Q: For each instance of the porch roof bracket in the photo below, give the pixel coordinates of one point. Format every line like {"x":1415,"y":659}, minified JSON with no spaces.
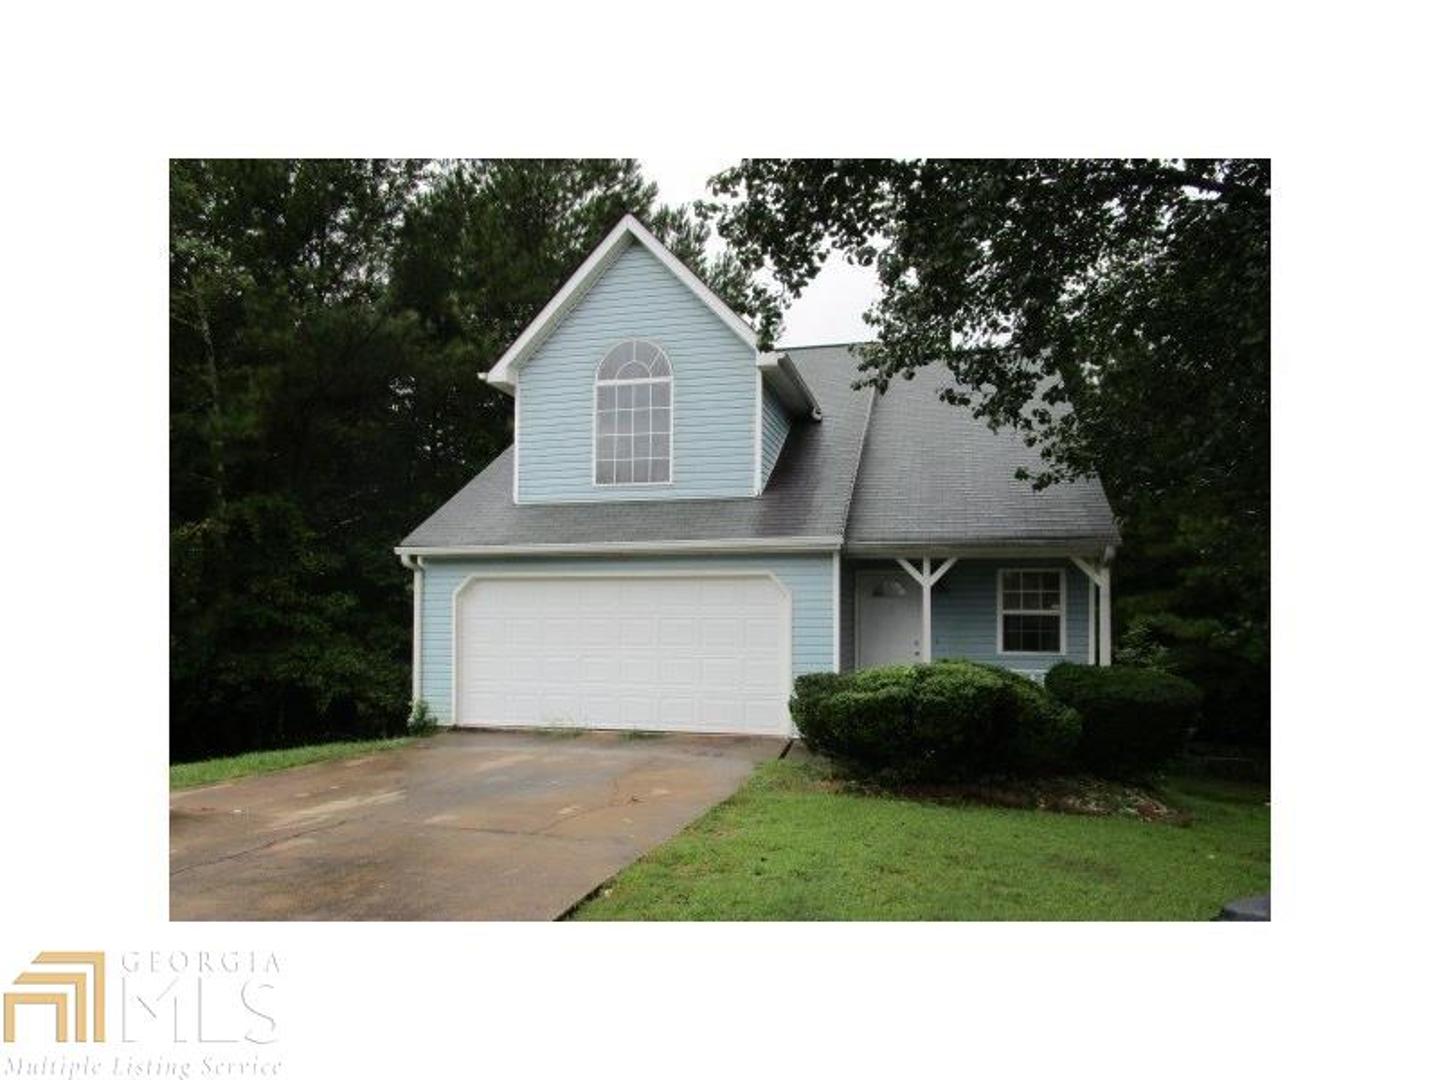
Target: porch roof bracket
{"x":909,"y":568}
{"x":926,"y":579}
{"x":1089,"y":568}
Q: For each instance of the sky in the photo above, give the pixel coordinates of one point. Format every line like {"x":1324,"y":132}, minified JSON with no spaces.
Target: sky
{"x":829,"y":309}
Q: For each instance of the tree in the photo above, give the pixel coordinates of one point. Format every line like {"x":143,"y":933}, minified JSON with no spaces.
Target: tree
{"x":1114,"y":311}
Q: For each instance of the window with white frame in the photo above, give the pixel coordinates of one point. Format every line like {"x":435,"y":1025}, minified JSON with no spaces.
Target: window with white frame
{"x":633,"y":415}
{"x":1032,"y":611}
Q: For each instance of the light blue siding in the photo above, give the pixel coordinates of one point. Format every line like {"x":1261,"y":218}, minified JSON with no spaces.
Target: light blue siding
{"x":963,"y":614}
{"x":714,"y":391}
{"x":809,"y":578}
{"x":774,"y":426}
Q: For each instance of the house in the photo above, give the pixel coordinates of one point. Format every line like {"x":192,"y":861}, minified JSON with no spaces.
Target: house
{"x":684,"y":523}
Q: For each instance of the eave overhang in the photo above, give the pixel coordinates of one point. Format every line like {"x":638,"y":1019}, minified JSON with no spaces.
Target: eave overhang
{"x":629,"y":231}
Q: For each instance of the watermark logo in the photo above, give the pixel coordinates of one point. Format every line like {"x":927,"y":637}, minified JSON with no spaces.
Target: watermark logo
{"x":76,"y":997}
{"x":173,"y":1013}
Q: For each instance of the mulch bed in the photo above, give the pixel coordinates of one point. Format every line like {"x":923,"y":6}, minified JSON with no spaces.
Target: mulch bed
{"x":1087,"y":795}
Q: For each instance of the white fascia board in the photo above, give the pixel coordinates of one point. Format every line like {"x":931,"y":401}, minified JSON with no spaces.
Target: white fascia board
{"x":781,"y":375}
{"x":994,"y":550}
{"x":738,"y":545}
{"x":628,"y":231}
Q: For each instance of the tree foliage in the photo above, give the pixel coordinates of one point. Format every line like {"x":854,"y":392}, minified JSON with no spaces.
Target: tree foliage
{"x":328,"y":320}
{"x":1114,"y":311}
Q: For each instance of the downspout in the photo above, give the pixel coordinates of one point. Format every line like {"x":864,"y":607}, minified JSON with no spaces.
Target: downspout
{"x":416,"y":564}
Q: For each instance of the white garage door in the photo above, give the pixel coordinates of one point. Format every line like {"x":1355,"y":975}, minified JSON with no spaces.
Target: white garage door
{"x":706,"y":654}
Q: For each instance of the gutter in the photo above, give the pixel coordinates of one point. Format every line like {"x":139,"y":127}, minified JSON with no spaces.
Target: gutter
{"x":1056,"y":545}
{"x":737,"y":545}
{"x":416,"y":565}
{"x":785,"y":379}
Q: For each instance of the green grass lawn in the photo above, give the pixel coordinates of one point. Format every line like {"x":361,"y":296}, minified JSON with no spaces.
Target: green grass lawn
{"x":195,"y":773}
{"x":789,"y":846}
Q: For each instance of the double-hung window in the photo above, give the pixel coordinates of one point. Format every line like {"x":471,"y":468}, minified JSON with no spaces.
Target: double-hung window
{"x":1032,"y":611}
{"x":633,"y":415}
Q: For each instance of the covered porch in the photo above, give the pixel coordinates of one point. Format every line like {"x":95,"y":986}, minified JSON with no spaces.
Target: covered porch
{"x":1023,"y":608}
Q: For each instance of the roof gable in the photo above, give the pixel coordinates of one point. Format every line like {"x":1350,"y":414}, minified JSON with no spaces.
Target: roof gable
{"x":627,"y":232}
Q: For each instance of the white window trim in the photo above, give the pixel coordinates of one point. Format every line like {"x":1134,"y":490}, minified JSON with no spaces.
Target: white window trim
{"x":595,"y":415}
{"x":1001,"y":612}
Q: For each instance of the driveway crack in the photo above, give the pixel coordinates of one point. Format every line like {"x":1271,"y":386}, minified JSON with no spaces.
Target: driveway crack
{"x":258,"y":847}
{"x":614,"y":801}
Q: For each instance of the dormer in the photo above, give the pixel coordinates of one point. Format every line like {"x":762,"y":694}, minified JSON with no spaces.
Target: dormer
{"x":636,"y":381}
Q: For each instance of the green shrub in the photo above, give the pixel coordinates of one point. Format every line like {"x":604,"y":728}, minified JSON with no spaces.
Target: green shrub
{"x":1132,"y":719}
{"x":939,"y":721}
{"x":810,"y":690}
{"x":864,"y":725}
{"x":1049,"y":732}
{"x":422,"y":720}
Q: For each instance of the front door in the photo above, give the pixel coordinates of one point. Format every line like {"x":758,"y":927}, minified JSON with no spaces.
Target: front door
{"x":887,"y":618}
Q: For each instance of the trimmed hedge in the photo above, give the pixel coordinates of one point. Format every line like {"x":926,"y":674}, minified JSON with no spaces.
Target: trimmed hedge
{"x":1133,"y":719}
{"x":946,"y":720}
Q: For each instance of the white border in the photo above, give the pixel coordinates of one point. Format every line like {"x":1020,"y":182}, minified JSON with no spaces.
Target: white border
{"x":797,"y":544}
{"x":787,"y":682}
{"x":1000,"y":650}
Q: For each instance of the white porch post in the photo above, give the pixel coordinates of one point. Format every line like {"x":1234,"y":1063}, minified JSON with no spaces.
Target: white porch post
{"x":414,"y":563}
{"x":1099,"y":574}
{"x":1104,"y":616}
{"x":926,"y":580}
{"x":925,"y":611}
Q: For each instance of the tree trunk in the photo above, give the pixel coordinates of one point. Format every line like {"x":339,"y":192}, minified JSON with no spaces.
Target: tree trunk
{"x":212,"y":379}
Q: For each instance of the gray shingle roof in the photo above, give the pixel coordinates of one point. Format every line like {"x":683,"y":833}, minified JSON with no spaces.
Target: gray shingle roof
{"x":933,"y":474}
{"x":928,"y":474}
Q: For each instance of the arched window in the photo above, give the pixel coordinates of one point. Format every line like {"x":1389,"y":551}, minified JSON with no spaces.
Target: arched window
{"x":633,"y":423}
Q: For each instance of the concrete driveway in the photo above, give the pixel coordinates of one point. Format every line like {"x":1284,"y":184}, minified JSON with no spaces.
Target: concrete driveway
{"x":464,"y":825}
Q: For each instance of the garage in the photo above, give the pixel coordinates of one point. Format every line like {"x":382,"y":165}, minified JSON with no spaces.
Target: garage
{"x":684,"y":652}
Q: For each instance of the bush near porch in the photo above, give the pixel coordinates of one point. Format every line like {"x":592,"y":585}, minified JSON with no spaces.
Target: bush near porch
{"x":1132,"y":719}
{"x":947,"y":720}
{"x":957,"y":720}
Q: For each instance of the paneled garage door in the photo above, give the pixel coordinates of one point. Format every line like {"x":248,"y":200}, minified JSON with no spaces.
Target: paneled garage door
{"x":693,"y":653}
